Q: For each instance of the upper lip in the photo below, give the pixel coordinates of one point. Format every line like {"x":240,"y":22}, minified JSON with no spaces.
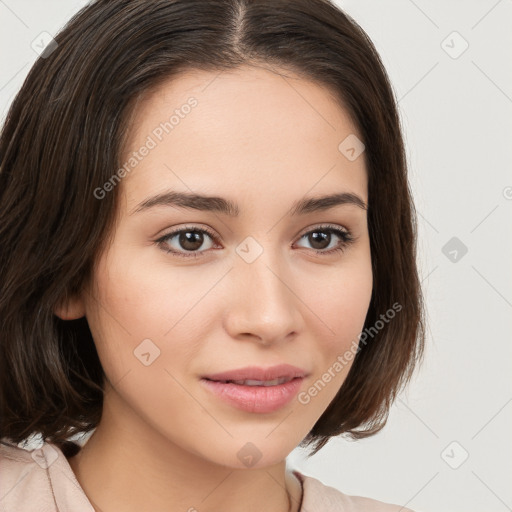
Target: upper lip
{"x":258,"y":373}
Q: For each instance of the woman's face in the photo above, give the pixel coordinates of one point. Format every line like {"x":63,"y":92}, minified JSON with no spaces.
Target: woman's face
{"x":167,"y":309}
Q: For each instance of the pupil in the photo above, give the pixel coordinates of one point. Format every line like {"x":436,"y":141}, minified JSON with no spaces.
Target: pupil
{"x":322,"y":237}
{"x":191,"y":240}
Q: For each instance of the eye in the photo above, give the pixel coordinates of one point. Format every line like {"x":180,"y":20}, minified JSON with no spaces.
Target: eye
{"x":187,"y":241}
{"x":322,"y":236}
{"x":190,"y":239}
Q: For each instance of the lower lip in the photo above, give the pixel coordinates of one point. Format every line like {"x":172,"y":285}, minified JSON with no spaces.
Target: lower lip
{"x":260,"y":399}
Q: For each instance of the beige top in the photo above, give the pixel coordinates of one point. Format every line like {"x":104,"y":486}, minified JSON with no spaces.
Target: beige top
{"x":42,"y":480}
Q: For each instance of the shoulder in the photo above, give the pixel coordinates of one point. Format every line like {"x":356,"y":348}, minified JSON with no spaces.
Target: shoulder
{"x":318,"y":497}
{"x":23,"y":483}
{"x":39,"y":480}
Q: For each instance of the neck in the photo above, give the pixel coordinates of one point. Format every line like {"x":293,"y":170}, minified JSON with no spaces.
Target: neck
{"x":124,"y":470}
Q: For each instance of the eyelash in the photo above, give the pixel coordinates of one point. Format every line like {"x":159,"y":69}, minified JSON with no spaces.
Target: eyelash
{"x":345,"y":235}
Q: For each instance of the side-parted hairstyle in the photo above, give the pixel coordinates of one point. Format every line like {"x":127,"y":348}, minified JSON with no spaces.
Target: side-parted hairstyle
{"x":63,"y":139}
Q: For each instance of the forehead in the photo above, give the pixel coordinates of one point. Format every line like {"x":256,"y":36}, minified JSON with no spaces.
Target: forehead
{"x":248,"y":129}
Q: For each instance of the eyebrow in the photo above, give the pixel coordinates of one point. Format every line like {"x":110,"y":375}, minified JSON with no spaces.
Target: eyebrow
{"x":227,"y":207}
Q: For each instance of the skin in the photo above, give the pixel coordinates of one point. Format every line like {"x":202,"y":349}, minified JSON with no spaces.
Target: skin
{"x":164,"y":442}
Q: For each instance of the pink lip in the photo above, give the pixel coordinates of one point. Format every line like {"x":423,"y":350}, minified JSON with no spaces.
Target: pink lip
{"x":260,"y":399}
{"x":258,"y":373}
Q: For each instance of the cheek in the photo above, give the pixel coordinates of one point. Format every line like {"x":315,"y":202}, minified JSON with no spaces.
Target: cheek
{"x":136,"y":301}
{"x":341,"y":305}
{"x":144,"y":298}
{"x":341,"y":299}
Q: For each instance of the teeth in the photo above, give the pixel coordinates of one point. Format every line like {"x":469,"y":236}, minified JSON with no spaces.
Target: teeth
{"x":249,"y":382}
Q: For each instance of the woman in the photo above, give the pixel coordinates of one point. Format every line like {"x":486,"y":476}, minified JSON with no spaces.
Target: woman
{"x":208,"y":257}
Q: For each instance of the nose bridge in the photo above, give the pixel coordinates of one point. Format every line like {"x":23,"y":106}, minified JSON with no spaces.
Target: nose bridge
{"x":264,"y":304}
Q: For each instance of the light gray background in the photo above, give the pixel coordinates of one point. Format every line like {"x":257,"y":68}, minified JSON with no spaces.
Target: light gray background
{"x":456,"y":110}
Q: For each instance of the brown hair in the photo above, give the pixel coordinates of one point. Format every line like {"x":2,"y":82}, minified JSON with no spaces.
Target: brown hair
{"x":62,"y":139}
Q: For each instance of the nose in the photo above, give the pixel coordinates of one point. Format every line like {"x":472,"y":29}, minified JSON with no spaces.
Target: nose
{"x":263,"y":304}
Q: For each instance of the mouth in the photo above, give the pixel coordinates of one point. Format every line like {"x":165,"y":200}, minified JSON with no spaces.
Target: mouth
{"x":253,"y":382}
{"x":258,"y":376}
{"x":255,"y":396}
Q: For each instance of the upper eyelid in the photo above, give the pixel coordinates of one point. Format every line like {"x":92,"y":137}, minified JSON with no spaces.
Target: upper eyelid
{"x":326,"y":227}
